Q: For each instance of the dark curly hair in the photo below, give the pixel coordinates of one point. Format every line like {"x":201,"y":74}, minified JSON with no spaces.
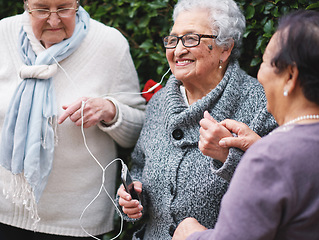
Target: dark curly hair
{"x":299,"y":39}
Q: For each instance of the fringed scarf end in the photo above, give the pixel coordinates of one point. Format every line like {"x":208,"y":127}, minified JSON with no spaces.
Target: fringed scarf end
{"x":17,"y":189}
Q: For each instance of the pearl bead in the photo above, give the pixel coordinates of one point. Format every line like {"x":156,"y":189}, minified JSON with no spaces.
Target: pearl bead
{"x":305,"y":117}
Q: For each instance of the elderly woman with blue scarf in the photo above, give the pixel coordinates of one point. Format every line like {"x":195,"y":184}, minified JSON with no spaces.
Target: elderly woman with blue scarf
{"x":60,"y":70}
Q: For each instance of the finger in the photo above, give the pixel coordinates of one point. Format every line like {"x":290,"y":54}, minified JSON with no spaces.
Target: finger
{"x":132,"y":204}
{"x":233,"y":125}
{"x":133,"y":212}
{"x":207,"y":146}
{"x":207,"y":124}
{"x":138,"y":186}
{"x":69,"y":111}
{"x":123,"y":194}
{"x":135,"y":216}
{"x":230,"y":142}
{"x":63,"y":117}
{"x":83,"y":120}
{"x":209,"y":117}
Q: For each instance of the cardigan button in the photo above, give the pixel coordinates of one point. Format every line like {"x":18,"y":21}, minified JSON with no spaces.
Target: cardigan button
{"x":172,"y":229}
{"x":178,"y":134}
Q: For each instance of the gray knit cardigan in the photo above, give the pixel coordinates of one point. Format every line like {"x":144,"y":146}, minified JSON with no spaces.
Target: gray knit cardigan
{"x":178,"y":180}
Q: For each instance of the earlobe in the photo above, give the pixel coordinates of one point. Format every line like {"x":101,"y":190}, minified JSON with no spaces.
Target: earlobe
{"x":227,"y":52}
{"x":292,"y":80}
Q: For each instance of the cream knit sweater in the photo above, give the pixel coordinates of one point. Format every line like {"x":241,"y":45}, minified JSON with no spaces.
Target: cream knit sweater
{"x":102,"y":65}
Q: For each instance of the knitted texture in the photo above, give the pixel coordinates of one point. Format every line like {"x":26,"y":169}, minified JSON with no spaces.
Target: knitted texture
{"x":274,"y":193}
{"x":178,"y":180}
{"x":100,"y":67}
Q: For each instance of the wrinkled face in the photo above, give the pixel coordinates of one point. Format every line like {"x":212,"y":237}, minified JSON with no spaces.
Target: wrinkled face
{"x":54,"y":29}
{"x":272,"y":82}
{"x":194,"y":63}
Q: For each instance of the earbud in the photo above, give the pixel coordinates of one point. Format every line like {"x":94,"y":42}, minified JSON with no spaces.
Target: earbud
{"x":210,"y":47}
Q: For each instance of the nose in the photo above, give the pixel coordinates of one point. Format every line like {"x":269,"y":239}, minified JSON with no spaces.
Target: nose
{"x":54,"y":19}
{"x":180,"y":49}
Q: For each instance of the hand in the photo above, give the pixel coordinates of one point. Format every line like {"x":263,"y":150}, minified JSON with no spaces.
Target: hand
{"x":94,"y":111}
{"x":187,"y":227}
{"x":246,"y":136}
{"x":131,"y":207}
{"x":211,"y":132}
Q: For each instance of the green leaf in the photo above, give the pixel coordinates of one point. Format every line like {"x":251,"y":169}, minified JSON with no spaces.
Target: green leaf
{"x":257,"y":2}
{"x":144,"y":22}
{"x":255,"y":61}
{"x":294,"y":5}
{"x":250,"y":11}
{"x":269,"y":26}
{"x":313,"y":6}
{"x":147,"y":45}
{"x":275,"y":12}
{"x":246,"y":34}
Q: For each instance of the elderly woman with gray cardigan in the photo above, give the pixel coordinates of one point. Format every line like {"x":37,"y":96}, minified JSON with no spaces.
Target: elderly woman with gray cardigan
{"x":175,"y":179}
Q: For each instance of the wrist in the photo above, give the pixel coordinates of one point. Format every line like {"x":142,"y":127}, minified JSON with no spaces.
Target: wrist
{"x":112,"y":111}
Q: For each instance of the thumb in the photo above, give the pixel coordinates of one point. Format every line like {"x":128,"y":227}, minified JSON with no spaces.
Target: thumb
{"x":227,"y":142}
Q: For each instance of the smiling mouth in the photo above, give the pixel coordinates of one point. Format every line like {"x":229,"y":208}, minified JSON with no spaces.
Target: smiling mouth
{"x":183,"y":62}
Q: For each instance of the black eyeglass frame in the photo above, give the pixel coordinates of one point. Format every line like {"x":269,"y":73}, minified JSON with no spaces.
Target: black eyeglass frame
{"x":181,"y":38}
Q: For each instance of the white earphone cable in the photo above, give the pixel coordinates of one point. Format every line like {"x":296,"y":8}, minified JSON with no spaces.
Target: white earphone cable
{"x":92,"y":155}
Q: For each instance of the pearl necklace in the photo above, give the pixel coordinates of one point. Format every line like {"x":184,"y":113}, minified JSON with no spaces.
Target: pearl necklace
{"x":305,"y":117}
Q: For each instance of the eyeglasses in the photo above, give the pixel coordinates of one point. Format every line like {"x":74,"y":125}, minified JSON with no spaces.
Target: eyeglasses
{"x":45,"y":13}
{"x":188,"y":40}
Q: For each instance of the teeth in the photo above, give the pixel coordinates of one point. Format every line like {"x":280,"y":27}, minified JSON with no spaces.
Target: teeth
{"x":186,"y":61}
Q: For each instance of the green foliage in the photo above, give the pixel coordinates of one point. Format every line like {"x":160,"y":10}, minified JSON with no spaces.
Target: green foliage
{"x":261,"y":20}
{"x":145,"y":22}
{"x":9,"y":8}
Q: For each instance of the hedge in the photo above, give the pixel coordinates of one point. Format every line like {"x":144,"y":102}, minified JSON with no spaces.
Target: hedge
{"x":145,"y":22}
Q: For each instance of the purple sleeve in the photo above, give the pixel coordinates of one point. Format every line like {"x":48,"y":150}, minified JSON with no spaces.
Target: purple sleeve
{"x":251,"y":208}
{"x":204,"y":235}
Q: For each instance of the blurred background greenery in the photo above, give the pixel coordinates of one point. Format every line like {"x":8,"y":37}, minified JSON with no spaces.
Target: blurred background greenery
{"x":145,"y":22}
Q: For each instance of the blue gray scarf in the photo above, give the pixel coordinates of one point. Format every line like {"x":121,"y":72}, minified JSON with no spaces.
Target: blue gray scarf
{"x":28,"y":133}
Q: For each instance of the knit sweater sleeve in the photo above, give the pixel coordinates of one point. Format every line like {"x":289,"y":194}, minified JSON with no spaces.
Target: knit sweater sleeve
{"x":261,"y":122}
{"x":138,"y":160}
{"x":262,"y":125}
{"x":124,"y":93}
{"x":126,"y":129}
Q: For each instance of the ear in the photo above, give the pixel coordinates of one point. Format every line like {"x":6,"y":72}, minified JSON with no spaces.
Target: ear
{"x":227,"y":51}
{"x":292,"y":81}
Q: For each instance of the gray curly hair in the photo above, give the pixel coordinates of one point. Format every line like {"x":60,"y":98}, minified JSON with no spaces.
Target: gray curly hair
{"x":227,"y":21}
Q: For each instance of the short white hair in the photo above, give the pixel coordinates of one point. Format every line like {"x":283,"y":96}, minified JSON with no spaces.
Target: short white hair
{"x":227,"y":21}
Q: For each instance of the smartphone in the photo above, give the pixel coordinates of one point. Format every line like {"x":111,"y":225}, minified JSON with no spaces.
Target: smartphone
{"x":128,"y":182}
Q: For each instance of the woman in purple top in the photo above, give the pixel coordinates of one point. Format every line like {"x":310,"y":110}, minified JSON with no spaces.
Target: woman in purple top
{"x":274,"y":193}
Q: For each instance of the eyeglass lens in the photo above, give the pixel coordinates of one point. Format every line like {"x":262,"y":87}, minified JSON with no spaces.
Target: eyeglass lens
{"x":188,"y":40}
